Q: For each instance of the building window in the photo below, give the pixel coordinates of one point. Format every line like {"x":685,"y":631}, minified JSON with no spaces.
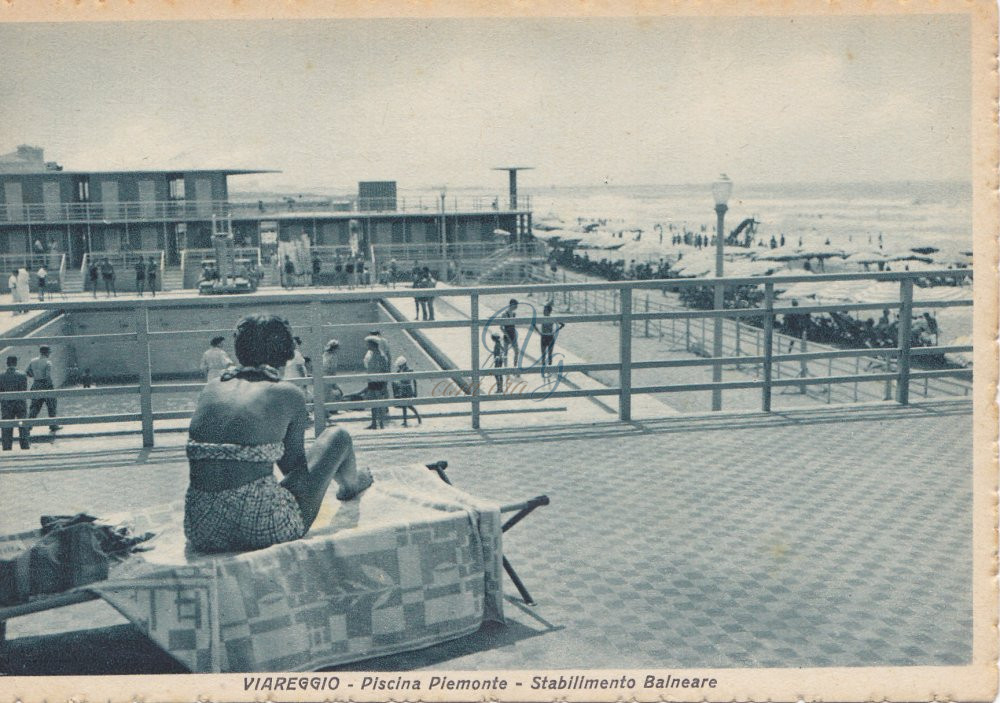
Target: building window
{"x":83,"y":191}
{"x":176,"y":188}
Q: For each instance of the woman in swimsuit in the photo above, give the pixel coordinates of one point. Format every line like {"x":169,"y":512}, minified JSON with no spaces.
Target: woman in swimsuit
{"x":243,"y":425}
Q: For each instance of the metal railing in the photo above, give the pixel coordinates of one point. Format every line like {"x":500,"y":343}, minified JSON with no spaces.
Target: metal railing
{"x":196,"y":256}
{"x":52,"y":261}
{"x":626,"y":316}
{"x":181,"y":210}
{"x":743,"y":340}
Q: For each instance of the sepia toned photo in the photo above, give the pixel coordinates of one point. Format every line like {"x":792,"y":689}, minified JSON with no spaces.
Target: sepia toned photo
{"x":423,"y":352}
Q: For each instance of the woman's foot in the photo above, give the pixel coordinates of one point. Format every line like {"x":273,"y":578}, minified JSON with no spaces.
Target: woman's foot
{"x":371,"y":427}
{"x":364,"y":481}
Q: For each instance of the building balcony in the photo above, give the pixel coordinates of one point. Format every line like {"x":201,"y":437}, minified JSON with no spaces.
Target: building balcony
{"x":188,"y":210}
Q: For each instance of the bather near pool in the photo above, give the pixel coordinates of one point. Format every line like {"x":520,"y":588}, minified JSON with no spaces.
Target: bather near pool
{"x":245,"y":422}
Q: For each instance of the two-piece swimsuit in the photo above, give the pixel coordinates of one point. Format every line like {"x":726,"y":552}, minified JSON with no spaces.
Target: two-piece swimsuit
{"x":252,"y":516}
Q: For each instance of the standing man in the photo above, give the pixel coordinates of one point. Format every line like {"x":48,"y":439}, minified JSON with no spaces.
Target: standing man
{"x":42,"y":275}
{"x":92,"y":273}
{"x":140,"y":276}
{"x":548,"y":331}
{"x":40,"y":369}
{"x":510,"y":331}
{"x":215,"y":360}
{"x":108,"y":274}
{"x":14,"y":380}
{"x":151,"y":272}
{"x":12,"y":284}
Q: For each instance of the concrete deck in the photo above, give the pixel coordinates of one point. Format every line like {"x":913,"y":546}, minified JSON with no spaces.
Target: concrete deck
{"x":808,"y":537}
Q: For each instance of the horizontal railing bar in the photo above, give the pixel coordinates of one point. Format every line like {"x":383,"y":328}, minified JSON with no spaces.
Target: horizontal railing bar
{"x":173,"y":414}
{"x":67,"y":338}
{"x":463,"y":398}
{"x":875,"y":353}
{"x":840,"y":307}
{"x":936,"y":373}
{"x":73,"y":420}
{"x":942,"y":303}
{"x":69,"y":392}
{"x":813,"y":380}
{"x":947,"y":349}
{"x":177,"y":387}
{"x":652,"y":284}
{"x":701,"y":361}
{"x":682,"y":387}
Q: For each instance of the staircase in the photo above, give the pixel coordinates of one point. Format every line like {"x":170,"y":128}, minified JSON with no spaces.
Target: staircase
{"x":512,"y":264}
{"x":173,"y":278}
{"x":72,"y":280}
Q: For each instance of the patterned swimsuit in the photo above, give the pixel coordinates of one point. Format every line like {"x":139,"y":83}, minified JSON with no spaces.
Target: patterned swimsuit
{"x":252,"y":516}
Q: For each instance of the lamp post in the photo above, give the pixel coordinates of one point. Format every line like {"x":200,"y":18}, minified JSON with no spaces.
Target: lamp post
{"x":721,"y":190}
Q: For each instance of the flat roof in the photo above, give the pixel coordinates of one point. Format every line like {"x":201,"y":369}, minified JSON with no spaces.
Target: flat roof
{"x":227,"y":171}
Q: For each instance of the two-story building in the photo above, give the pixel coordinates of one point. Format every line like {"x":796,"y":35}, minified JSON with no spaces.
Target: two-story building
{"x":45,"y":207}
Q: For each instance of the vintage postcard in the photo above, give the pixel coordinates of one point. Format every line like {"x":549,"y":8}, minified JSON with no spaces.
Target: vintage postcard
{"x":516,"y":351}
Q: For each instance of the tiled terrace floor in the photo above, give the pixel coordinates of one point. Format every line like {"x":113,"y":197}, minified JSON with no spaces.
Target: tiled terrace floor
{"x":831,"y":537}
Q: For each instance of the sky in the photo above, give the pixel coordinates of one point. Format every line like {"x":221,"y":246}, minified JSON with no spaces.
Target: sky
{"x":440,"y":102}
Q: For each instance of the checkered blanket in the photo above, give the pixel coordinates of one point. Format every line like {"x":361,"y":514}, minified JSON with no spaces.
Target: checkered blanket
{"x":410,"y":563}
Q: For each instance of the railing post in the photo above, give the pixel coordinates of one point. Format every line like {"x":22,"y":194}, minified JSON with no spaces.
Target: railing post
{"x":646,"y":321}
{"x":804,"y":365}
{"x":739,"y":352}
{"x":474,"y":341}
{"x":625,"y":356}
{"x":145,"y":374}
{"x":905,"y":323}
{"x":720,"y":298}
{"x":768,"y":344}
{"x":319,"y":383}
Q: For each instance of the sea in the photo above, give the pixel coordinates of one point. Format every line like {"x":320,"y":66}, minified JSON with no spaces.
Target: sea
{"x":850,"y":215}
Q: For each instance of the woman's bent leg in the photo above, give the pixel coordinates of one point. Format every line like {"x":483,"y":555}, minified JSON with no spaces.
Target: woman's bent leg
{"x":330,"y":458}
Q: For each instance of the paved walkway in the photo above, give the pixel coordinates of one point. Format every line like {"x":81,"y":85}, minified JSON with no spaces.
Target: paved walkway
{"x":830,"y":537}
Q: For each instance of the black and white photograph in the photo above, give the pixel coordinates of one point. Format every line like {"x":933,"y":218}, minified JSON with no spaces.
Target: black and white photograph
{"x":415,"y":351}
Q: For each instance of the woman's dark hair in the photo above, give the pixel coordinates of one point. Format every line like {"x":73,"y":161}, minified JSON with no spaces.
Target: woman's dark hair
{"x":216,"y":341}
{"x":264,"y":339}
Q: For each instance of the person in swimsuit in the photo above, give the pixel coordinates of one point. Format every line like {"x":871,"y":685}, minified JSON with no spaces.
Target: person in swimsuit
{"x":510,"y":331}
{"x":547,"y":331}
{"x":376,"y":362}
{"x":242,"y":426}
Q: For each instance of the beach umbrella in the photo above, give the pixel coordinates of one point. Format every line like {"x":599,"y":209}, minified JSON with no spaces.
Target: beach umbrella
{"x":925,"y":250}
{"x":780,"y":254}
{"x":867,"y":257}
{"x":822,"y":252}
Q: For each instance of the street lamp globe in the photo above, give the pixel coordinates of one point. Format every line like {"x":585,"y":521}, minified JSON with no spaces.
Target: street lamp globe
{"x":721,"y":190}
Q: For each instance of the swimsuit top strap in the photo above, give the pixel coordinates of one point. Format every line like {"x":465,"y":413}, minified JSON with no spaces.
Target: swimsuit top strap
{"x":252,"y":373}
{"x":209,"y":451}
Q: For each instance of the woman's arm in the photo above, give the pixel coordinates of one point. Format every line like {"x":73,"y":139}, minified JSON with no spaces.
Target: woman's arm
{"x":295,"y":444}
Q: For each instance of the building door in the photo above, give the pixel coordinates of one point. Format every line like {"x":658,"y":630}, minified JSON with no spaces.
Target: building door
{"x":150,"y":238}
{"x":52,"y":198}
{"x":147,"y":199}
{"x":109,"y":198}
{"x":203,"y":196}
{"x":14,"y":200}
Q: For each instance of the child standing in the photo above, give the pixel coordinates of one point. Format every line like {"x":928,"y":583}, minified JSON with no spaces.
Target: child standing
{"x":405,"y":388}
